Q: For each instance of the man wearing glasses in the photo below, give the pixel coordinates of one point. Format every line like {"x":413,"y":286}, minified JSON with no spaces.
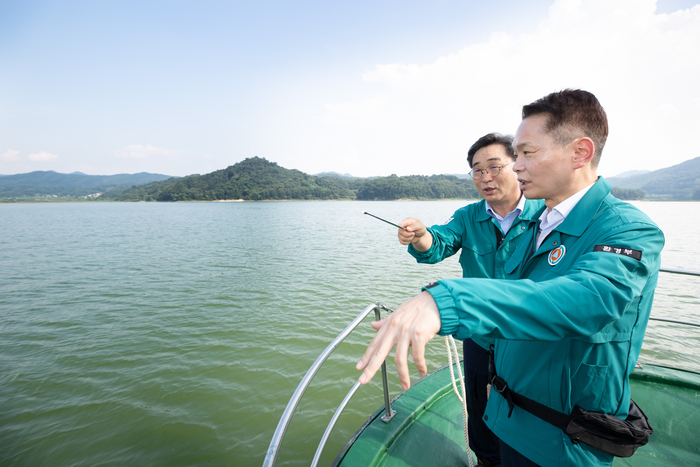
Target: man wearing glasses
{"x":487,"y":232}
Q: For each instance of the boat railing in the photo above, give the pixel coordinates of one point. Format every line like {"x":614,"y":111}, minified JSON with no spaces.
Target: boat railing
{"x":278,"y":436}
{"x":677,"y":321}
{"x":686,"y":272}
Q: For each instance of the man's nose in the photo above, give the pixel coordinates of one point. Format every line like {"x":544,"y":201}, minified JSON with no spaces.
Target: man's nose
{"x":518,"y":166}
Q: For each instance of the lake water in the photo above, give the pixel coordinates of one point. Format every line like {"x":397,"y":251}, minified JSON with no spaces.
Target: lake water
{"x":174,"y":334}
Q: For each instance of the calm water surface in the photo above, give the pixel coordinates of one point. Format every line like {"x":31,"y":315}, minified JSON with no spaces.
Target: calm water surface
{"x":174,"y":334}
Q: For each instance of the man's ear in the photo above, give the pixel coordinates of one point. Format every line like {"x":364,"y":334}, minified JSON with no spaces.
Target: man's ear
{"x":584,"y":150}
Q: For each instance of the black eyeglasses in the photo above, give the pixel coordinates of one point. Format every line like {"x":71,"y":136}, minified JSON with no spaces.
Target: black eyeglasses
{"x":492,"y":170}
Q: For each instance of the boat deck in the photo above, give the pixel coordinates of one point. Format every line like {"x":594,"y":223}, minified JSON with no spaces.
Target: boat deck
{"x":430,"y":415}
{"x":671,"y":400}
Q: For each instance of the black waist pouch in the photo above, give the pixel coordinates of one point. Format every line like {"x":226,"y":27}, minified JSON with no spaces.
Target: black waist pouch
{"x":608,"y":433}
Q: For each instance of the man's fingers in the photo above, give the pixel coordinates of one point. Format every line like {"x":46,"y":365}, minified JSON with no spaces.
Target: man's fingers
{"x":372,"y":348}
{"x":368,"y":353}
{"x":370,"y":370}
{"x":406,"y":239}
{"x":407,"y":222}
{"x":401,"y":360}
{"x":376,"y":360}
{"x":413,"y":324}
{"x":418,"y":353}
{"x":405,"y":236}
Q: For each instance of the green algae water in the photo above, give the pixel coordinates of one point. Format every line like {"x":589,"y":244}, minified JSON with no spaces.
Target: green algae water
{"x":174,"y":334}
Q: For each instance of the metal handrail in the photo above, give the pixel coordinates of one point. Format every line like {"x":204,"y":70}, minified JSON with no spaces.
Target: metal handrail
{"x":676,"y":321}
{"x":687,"y":272}
{"x":278,"y":436}
{"x":331,"y":425}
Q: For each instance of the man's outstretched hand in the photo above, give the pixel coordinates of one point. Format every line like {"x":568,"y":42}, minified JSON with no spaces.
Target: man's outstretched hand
{"x":413,"y":324}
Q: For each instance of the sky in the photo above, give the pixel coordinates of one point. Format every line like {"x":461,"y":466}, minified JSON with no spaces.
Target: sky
{"x":365,"y":87}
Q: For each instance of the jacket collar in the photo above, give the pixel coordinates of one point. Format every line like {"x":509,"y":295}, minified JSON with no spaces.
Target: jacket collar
{"x":582,"y":214}
{"x":482,"y":215}
{"x":528,"y":213}
{"x":532,"y":207}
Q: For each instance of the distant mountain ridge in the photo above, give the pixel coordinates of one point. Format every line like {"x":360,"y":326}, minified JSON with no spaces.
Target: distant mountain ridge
{"x":50,"y":178}
{"x":678,"y":182}
{"x":630,"y":173}
{"x":49,"y":182}
{"x":345,"y":176}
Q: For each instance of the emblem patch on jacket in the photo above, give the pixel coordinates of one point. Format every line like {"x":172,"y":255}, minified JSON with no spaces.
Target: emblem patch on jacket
{"x":636,"y":254}
{"x":448,"y":221}
{"x":556,"y":255}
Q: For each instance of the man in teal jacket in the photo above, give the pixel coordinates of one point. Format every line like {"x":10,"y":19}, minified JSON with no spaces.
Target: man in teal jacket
{"x":487,"y":232}
{"x":570,"y":327}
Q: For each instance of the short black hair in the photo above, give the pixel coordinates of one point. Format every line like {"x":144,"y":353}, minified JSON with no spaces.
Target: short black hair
{"x":571,"y":114}
{"x":492,"y":138}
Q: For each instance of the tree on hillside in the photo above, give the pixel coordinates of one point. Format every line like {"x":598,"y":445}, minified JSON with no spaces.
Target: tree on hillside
{"x":627,"y":193}
{"x":417,"y":187}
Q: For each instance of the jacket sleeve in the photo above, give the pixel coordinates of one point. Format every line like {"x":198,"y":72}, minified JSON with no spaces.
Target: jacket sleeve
{"x":447,"y":240}
{"x":593,"y":293}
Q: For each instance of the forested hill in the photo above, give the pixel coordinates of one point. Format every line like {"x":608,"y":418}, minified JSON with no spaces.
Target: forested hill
{"x":417,"y":187}
{"x":252,"y":179}
{"x":259,"y":179}
{"x":678,"y":182}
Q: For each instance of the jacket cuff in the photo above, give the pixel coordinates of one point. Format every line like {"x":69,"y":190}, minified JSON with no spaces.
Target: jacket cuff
{"x":449,"y":317}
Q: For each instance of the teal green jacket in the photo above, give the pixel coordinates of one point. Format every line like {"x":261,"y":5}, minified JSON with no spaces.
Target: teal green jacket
{"x":569,"y":329}
{"x":471,"y":229}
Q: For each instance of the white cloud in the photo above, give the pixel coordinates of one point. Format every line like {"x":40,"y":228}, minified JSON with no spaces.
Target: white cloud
{"x":10,"y":156}
{"x":139,"y":151}
{"x":416,"y":118}
{"x":375,"y":105}
{"x":42,"y":156}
